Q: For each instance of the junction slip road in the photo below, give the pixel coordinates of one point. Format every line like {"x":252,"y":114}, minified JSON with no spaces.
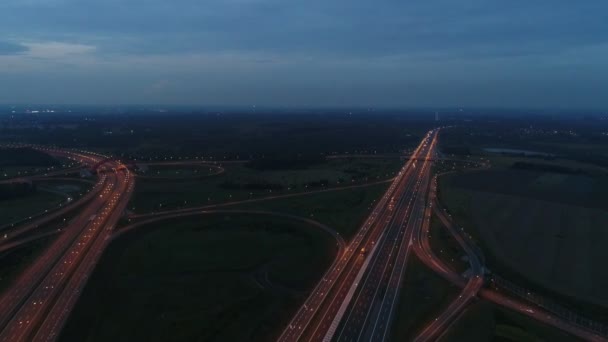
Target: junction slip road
{"x":472,"y":287}
{"x":355,"y":299}
{"x":435,"y":329}
{"x":38,"y":303}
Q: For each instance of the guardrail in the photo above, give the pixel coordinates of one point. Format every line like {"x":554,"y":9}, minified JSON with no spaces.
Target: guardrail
{"x":550,"y":305}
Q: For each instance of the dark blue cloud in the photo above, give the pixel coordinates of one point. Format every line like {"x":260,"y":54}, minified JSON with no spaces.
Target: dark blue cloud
{"x":8,"y":48}
{"x":398,"y":46}
{"x":339,"y":26}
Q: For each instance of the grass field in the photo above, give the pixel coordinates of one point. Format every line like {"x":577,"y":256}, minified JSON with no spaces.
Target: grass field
{"x":529,"y":222}
{"x":342,"y":210}
{"x":579,"y":190}
{"x":32,"y":168}
{"x":484,"y":321}
{"x":240,"y":182}
{"x":23,"y":207}
{"x":423,"y":295}
{"x":48,"y":196}
{"x":506,"y":160}
{"x":198,"y":279}
{"x":180,"y":172}
{"x":16,"y":260}
{"x":446,"y":247}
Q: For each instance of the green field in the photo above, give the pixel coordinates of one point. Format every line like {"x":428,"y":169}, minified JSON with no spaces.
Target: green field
{"x":446,"y":247}
{"x":50,"y":195}
{"x":483,"y":321}
{"x":20,"y":208}
{"x":423,"y":295}
{"x":240,"y":182}
{"x":342,"y":210}
{"x":27,"y":162}
{"x":550,"y":228}
{"x":210,"y":278}
{"x":13,"y":262}
{"x":505,"y":161}
{"x":179,"y":172}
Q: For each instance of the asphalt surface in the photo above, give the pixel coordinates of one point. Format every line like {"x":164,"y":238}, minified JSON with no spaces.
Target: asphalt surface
{"x":37,"y":304}
{"x":471,"y":286}
{"x":320,"y":315}
{"x":370,"y":313}
{"x":354,"y":300}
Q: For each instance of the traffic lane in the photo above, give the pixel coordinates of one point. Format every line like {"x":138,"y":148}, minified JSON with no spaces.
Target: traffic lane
{"x":16,"y":294}
{"x":378,"y":274}
{"x":538,"y":314}
{"x":385,"y":312}
{"x":364,"y":309}
{"x":327,"y":316}
{"x":347,"y":286}
{"x":29,"y":314}
{"x":68,"y":297}
{"x":18,"y":230}
{"x":304,"y":316}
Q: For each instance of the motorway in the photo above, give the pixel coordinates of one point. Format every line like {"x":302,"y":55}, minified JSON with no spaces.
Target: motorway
{"x":354,"y":301}
{"x":13,"y":231}
{"x":384,"y":236}
{"x":371,"y":311}
{"x":37,"y":304}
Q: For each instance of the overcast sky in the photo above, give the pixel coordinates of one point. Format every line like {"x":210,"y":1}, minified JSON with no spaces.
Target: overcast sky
{"x":532,"y":53}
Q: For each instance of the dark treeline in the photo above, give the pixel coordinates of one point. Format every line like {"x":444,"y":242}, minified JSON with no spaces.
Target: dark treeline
{"x":231,"y":185}
{"x":546,"y":168}
{"x":288,"y":162}
{"x":234,"y":135}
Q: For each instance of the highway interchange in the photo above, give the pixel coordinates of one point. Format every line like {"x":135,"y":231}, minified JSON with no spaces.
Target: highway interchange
{"x":355,"y":300}
{"x":38,"y":303}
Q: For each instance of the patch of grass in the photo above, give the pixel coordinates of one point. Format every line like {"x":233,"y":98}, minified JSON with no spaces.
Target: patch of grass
{"x":13,"y":262}
{"x":483,"y":321}
{"x":21,"y":162}
{"x":343,"y":210}
{"x":195,"y":279}
{"x":73,"y":188}
{"x":476,"y":324}
{"x":446,"y":247}
{"x":23,"y":207}
{"x":48,"y":196}
{"x":513,"y":326}
{"x":579,"y":190}
{"x":507,"y":161}
{"x":423,"y":295}
{"x":240,"y":182}
{"x":545,"y":245}
{"x":180,"y":171}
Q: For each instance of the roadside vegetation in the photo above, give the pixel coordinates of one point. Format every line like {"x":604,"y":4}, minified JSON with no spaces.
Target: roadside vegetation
{"x":14,"y":261}
{"x":343,"y":210}
{"x":423,"y":295}
{"x":215,"y":277}
{"x":21,"y":162}
{"x":181,"y":172}
{"x":24,"y":200}
{"x":483,"y":321}
{"x":445,"y":246}
{"x":556,"y":245}
{"x":538,"y":216}
{"x":242,"y":182}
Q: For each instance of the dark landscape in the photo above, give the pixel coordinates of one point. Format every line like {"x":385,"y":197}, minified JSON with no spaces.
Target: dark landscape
{"x":303,"y":171}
